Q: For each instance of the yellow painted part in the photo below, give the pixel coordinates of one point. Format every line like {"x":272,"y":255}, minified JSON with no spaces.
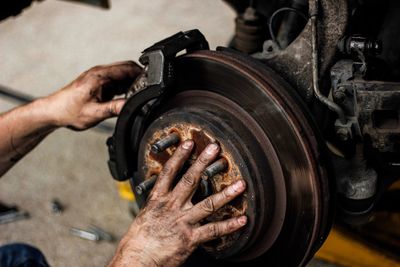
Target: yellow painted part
{"x":125,"y":191}
{"x":344,"y":250}
{"x":395,"y":186}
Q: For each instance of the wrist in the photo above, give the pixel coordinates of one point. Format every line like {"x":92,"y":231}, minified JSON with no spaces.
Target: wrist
{"x":130,"y":254}
{"x":42,"y":112}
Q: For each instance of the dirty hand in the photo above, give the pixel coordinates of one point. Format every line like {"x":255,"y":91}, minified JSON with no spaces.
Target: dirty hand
{"x":167,"y":230}
{"x":89,"y":99}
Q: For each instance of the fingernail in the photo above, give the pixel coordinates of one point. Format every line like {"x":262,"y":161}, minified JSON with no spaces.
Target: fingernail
{"x":187,"y":144}
{"x":242,"y":220}
{"x":212,"y":148}
{"x":239,"y":185}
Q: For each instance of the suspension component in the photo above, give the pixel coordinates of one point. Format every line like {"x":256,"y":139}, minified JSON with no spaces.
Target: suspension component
{"x":165,"y":143}
{"x":217,"y":167}
{"x":146,"y":185}
{"x":251,"y":31}
{"x":355,"y":44}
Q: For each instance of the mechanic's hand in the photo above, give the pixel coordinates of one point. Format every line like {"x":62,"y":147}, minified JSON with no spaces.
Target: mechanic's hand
{"x":89,"y":99}
{"x":167,"y":230}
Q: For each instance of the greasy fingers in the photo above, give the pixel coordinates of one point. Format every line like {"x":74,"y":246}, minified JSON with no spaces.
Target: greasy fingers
{"x":190,"y":180}
{"x":211,"y":204}
{"x":116,"y":71}
{"x":88,"y":99}
{"x":111,"y":80}
{"x":215,"y":230}
{"x":172,"y":167}
{"x":169,"y":224}
{"x":109,"y":109}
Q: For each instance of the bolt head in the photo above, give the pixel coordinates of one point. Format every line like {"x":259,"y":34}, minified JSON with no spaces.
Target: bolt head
{"x":155,"y":149}
{"x":340,"y":94}
{"x":343,"y":134}
{"x":139,"y":190}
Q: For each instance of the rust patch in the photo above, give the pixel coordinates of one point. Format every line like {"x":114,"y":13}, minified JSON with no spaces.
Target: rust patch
{"x":154,"y":163}
{"x":201,"y":140}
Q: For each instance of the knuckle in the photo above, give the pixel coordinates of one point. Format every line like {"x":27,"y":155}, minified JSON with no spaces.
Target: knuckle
{"x":167,"y":170}
{"x":135,"y":66}
{"x":208,"y":205}
{"x":213,"y":230}
{"x":112,"y":109}
{"x":187,"y":233}
{"x":90,"y":79}
{"x":95,"y":69}
{"x":203,"y":160}
{"x":224,"y":195}
{"x":131,"y":63}
{"x":188,"y":180}
{"x":86,"y":73}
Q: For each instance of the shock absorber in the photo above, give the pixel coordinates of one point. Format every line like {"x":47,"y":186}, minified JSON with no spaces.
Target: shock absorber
{"x":251,"y":31}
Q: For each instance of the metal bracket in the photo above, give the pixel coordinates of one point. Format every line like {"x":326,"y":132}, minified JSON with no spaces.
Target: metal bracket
{"x":159,"y":57}
{"x":159,"y":61}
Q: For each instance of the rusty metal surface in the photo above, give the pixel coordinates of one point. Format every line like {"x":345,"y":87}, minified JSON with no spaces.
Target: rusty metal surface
{"x":373,"y":107}
{"x":294,"y":62}
{"x":268,"y":139}
{"x":204,"y":128}
{"x":201,"y":137}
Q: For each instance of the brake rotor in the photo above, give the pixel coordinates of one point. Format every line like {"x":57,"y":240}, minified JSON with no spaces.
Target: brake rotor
{"x":266,"y":137}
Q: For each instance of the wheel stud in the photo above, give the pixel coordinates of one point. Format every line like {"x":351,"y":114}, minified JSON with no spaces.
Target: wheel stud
{"x":146,"y":185}
{"x":164,"y":143}
{"x":217,"y":167}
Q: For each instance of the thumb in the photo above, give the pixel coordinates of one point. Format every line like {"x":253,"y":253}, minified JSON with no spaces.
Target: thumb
{"x":111,"y":108}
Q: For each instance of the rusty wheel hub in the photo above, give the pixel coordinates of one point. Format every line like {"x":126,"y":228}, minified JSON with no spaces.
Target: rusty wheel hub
{"x":207,"y":117}
{"x":266,"y":138}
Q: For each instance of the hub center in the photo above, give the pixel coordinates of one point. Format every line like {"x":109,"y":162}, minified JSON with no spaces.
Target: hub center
{"x":228,"y":168}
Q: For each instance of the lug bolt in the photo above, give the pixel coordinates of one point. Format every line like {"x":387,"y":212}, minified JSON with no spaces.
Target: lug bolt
{"x":343,"y":134}
{"x":164,"y":143}
{"x":217,"y":167}
{"x":340,"y":94}
{"x":205,"y":188}
{"x":146,"y":185}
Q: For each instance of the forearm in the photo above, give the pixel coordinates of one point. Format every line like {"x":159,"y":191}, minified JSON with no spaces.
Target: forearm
{"x":80,"y":105}
{"x":21,"y":129}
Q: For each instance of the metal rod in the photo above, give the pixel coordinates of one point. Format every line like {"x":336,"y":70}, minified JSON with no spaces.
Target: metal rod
{"x":162,"y":144}
{"x":88,"y":235}
{"x":215,"y":168}
{"x":146,"y":185}
{"x":314,"y":44}
{"x":12,"y":216}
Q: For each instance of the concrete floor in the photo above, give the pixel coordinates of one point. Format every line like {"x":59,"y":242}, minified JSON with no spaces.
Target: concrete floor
{"x":40,"y":51}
